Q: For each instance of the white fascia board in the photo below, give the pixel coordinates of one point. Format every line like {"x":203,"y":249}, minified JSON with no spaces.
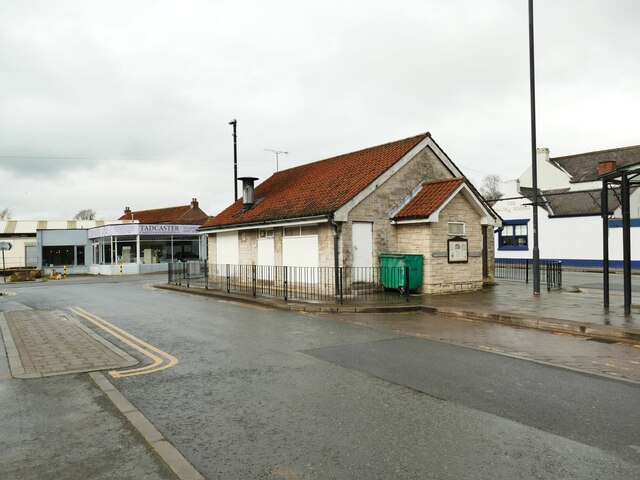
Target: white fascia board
{"x":436,"y":215}
{"x":283,"y":223}
{"x":486,"y":217}
{"x":413,"y":220}
{"x":342,"y":212}
{"x":444,"y":158}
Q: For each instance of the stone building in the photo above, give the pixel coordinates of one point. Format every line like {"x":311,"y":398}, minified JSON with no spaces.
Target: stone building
{"x":405,"y":196}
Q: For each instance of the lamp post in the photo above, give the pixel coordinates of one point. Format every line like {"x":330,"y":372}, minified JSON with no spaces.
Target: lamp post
{"x":234,"y":123}
{"x":534,"y":165}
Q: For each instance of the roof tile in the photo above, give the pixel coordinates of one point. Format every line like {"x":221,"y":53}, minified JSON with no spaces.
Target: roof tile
{"x":317,"y":188}
{"x":432,"y":195}
{"x":183,"y":214}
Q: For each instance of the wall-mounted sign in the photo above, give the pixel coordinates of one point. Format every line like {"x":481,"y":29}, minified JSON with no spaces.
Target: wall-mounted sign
{"x":5,"y":246}
{"x":143,"y":229}
{"x":458,"y":250}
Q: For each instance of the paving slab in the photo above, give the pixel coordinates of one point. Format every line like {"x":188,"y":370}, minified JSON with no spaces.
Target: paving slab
{"x":42,"y":343}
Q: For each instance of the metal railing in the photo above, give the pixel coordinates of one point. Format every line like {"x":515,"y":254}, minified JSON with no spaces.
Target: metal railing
{"x":320,"y":284}
{"x":521,"y":269}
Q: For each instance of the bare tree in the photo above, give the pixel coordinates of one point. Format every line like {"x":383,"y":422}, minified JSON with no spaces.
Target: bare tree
{"x":86,"y":214}
{"x":490,"y":188}
{"x":5,"y":214}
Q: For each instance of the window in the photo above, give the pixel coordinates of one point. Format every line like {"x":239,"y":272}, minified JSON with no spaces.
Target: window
{"x":58,"y":255}
{"x":301,"y":231}
{"x":456,"y":228}
{"x":266,"y":233}
{"x":514,"y":235}
{"x":80,"y":255}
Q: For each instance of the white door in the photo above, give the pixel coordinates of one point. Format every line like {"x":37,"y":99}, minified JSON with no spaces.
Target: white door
{"x":362,"y":241}
{"x":227,"y":248}
{"x":266,"y":258}
{"x":300,"y":251}
{"x":266,"y":254}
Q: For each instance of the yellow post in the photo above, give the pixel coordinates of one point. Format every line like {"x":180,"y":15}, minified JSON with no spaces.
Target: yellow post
{"x":120,"y":269}
{"x":65,"y":271}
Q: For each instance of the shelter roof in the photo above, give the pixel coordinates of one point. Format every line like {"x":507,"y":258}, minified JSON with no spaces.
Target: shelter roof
{"x":567,"y":203}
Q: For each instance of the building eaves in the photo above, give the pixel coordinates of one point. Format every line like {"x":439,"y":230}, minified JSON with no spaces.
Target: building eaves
{"x":316,"y":189}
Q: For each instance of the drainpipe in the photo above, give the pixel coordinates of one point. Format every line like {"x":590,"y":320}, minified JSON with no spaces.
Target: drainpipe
{"x":336,"y":260}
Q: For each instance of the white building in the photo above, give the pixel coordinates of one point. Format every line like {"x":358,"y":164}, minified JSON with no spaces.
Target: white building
{"x":569,"y":218}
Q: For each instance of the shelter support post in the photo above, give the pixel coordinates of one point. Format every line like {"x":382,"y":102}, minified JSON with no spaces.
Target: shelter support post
{"x":626,"y":244}
{"x":604,"y":203}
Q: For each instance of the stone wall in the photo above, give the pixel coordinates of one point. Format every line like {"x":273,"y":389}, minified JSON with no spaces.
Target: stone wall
{"x":377,"y":206}
{"x":248,"y":247}
{"x":325,"y":245}
{"x":440,"y":276}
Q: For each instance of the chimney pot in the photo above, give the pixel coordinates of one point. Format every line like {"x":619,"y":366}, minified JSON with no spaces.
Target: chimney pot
{"x":606,"y":167}
{"x":127,"y":210}
{"x":247,"y":192}
{"x":194,"y":203}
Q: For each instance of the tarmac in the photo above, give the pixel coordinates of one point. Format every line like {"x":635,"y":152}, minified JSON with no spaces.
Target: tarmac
{"x":574,"y":311}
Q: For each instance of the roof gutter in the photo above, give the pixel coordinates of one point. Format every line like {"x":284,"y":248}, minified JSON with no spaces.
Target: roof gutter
{"x":336,"y":253}
{"x":269,"y":223}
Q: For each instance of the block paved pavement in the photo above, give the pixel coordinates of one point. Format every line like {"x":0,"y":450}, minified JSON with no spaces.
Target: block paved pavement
{"x":616,"y":360}
{"x":43,"y":343}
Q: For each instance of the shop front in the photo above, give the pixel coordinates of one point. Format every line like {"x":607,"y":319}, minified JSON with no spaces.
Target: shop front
{"x":143,"y":248}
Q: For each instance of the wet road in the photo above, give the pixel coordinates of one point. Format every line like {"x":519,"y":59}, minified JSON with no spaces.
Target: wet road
{"x":268,"y":394}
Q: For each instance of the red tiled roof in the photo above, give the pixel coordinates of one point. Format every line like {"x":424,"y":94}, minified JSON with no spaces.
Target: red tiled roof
{"x":429,"y":198}
{"x":157,"y":215}
{"x":184,"y":214}
{"x":316,"y":188}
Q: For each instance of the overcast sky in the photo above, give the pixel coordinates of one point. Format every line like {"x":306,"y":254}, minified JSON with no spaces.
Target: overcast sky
{"x":111,"y":104}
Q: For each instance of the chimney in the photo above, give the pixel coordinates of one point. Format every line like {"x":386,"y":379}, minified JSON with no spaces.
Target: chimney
{"x":194,"y":203}
{"x":542,"y":154}
{"x":247,"y":192}
{"x":606,"y":167}
{"x":127,"y":210}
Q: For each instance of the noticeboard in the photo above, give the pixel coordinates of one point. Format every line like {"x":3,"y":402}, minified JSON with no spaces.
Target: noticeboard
{"x":457,"y":250}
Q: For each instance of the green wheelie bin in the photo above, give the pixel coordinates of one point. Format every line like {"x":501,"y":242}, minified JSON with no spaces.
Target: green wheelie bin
{"x":393,"y":271}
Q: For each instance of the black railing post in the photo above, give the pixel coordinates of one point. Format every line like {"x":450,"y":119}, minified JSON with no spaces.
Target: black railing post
{"x":253,"y":274}
{"x":549,"y":272}
{"x":285,"y":278}
{"x":228,"y":278}
{"x":186,"y":270}
{"x":340,"y":287}
{"x":560,"y":274}
{"x":206,"y":275}
{"x":526,"y":262}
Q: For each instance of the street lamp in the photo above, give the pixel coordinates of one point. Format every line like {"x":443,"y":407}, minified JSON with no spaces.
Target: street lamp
{"x":234,"y":123}
{"x":534,"y":165}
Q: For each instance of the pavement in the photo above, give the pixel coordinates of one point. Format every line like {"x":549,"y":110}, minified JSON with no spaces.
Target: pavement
{"x":571,"y":310}
{"x":42,"y":343}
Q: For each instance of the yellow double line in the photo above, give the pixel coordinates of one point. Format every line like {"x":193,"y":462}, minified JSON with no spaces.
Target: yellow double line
{"x":161,"y":360}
